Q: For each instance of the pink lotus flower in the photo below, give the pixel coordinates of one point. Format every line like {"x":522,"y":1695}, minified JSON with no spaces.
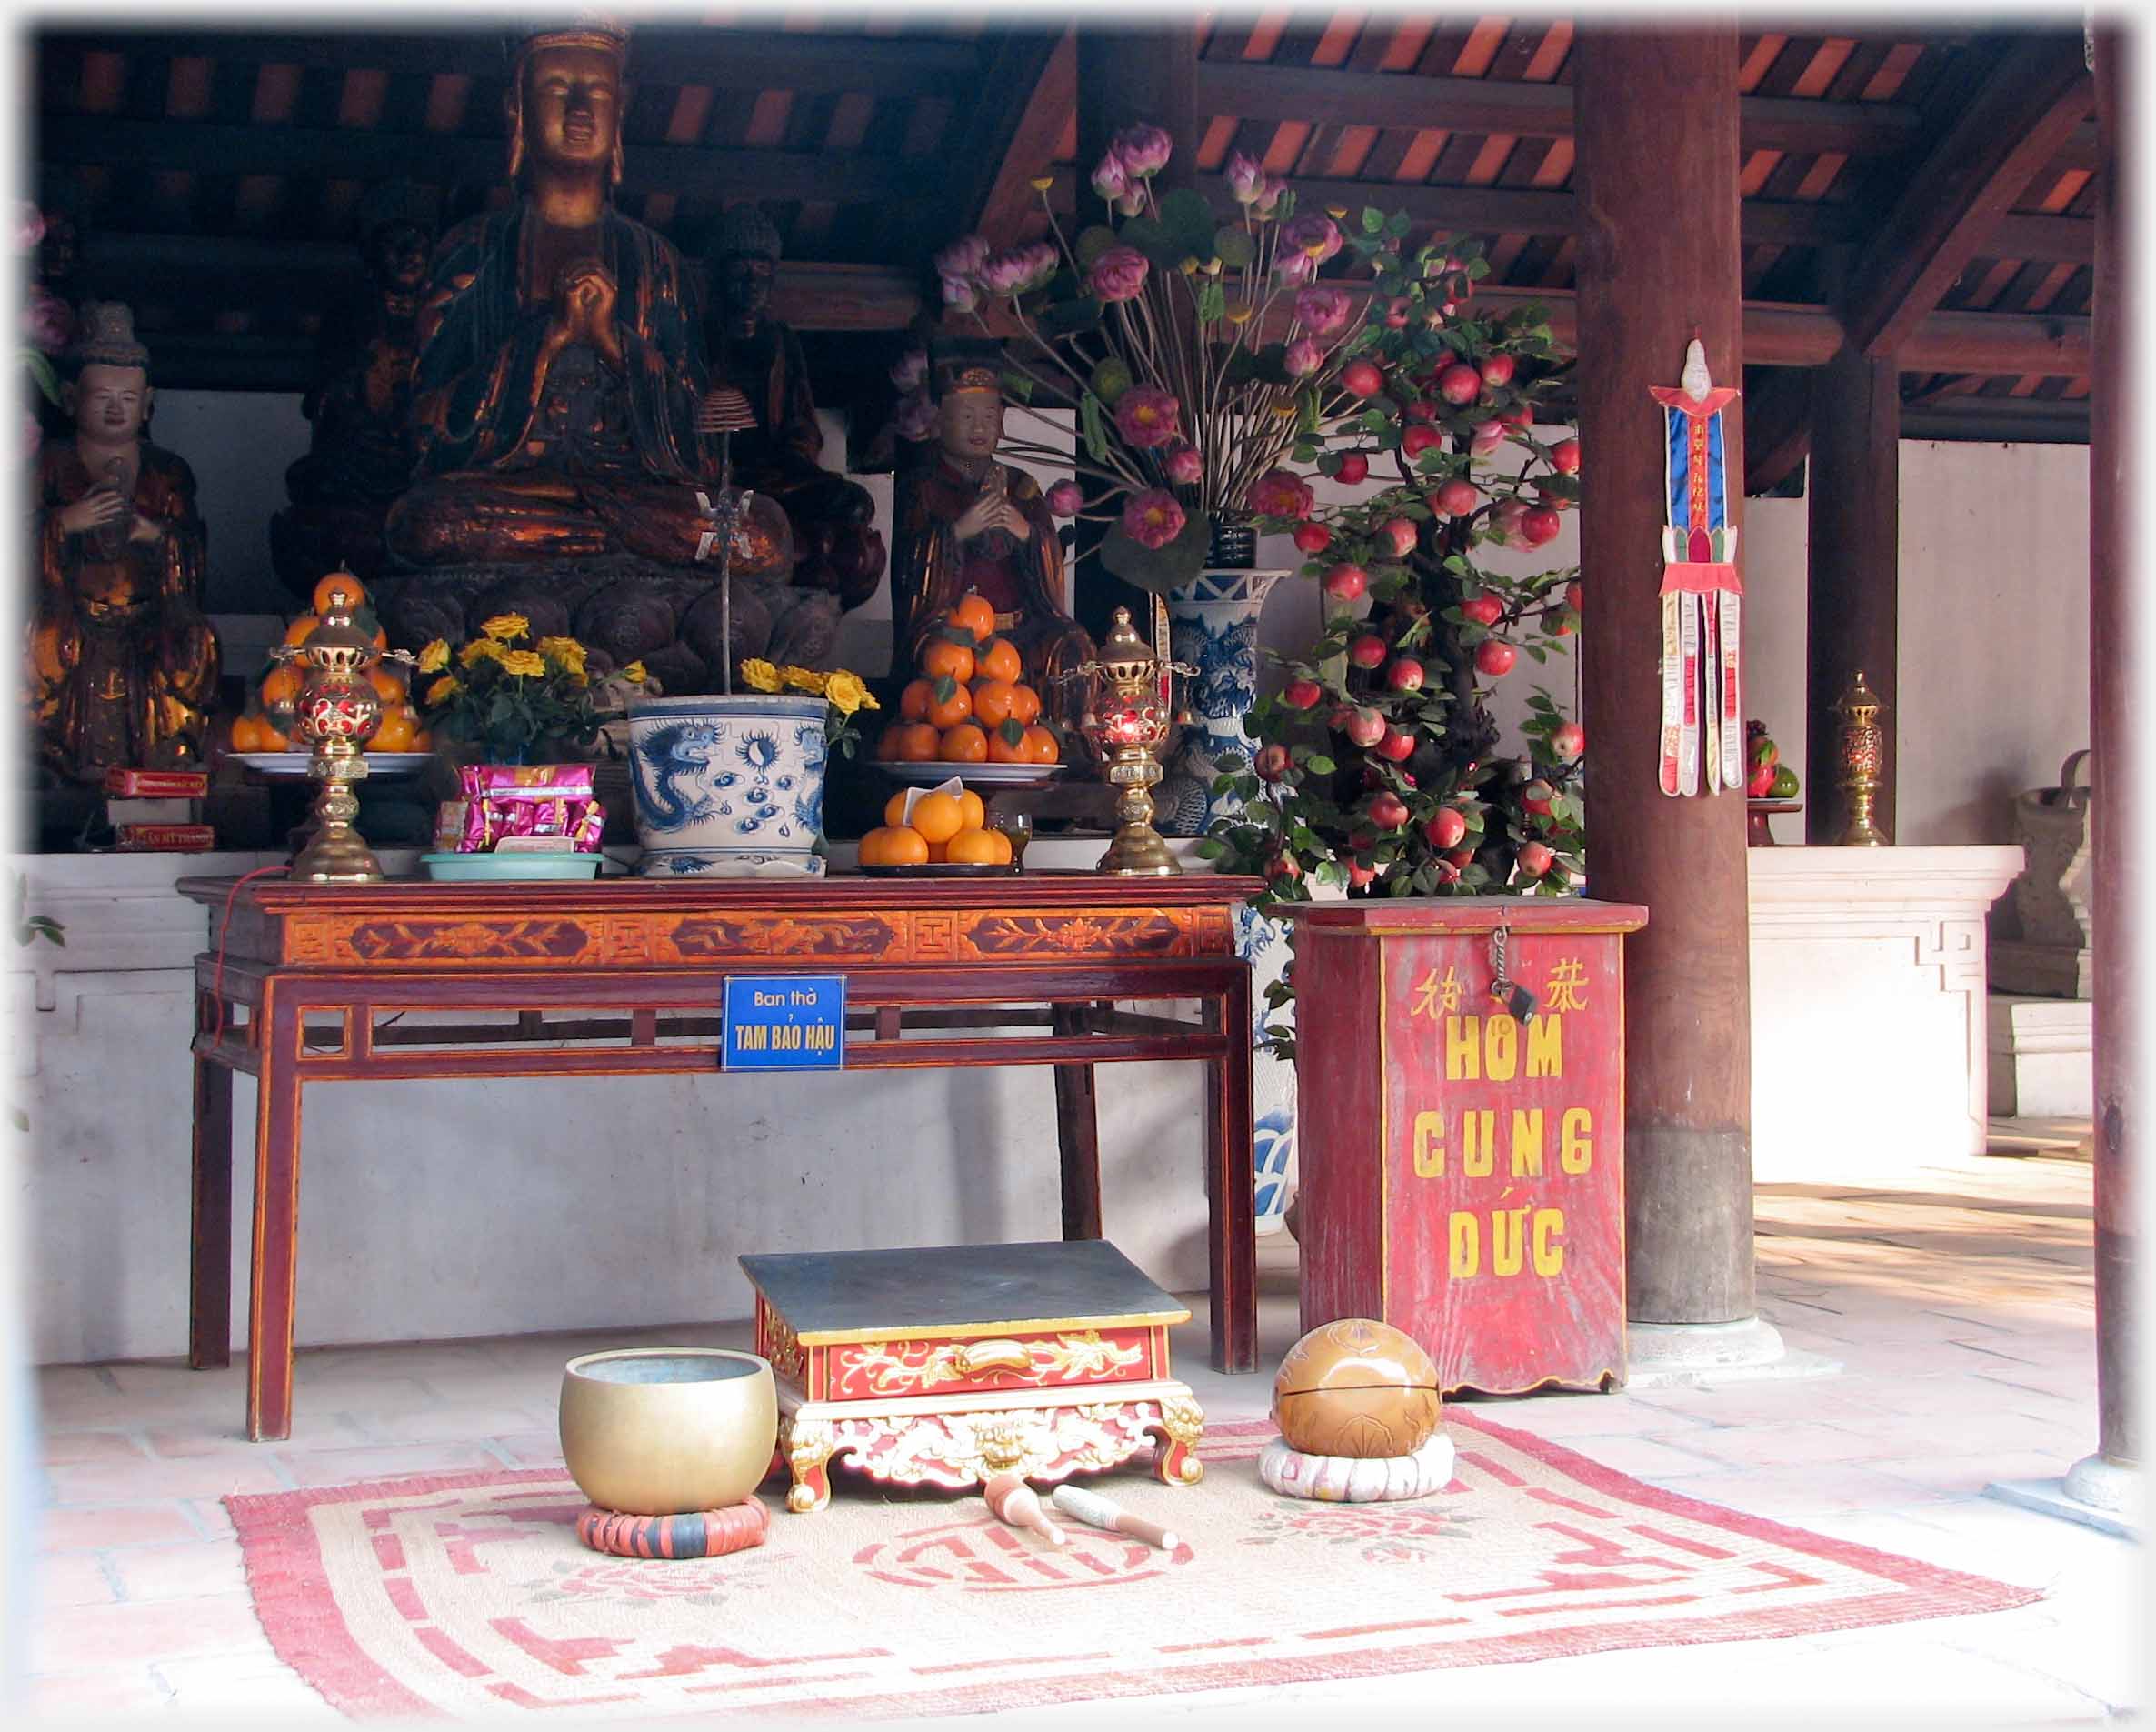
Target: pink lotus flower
{"x":912,"y":371}
{"x":47,"y":321}
{"x":1131,"y":204}
{"x":1278,"y":493}
{"x":916,"y":417}
{"x":1110,"y":179}
{"x":1118,"y":274}
{"x":29,"y":228}
{"x":1292,"y":269}
{"x":1184,"y":466}
{"x":1246,"y":178}
{"x":1324,"y":310}
{"x":959,"y":295}
{"x":1153,"y":517}
{"x":1313,"y":233}
{"x":1065,"y":499}
{"x":1142,"y":150}
{"x":1147,"y":416}
{"x":1304,"y":358}
{"x":962,"y":257}
{"x":1019,"y":271}
{"x":1268,"y":195}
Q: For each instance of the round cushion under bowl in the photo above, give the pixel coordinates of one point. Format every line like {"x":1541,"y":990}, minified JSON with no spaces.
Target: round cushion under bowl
{"x":1357,"y":1479}
{"x":667,"y":1431}
{"x":1357,"y":1388}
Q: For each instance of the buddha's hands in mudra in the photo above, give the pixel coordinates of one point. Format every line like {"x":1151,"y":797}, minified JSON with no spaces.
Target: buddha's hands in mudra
{"x":584,"y":311}
{"x":993,"y":510}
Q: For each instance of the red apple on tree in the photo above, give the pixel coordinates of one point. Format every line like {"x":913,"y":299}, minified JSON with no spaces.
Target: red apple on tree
{"x":1539,"y":525}
{"x":1273,"y":762}
{"x":1399,"y":534}
{"x":1520,"y":416}
{"x":1346,"y":582}
{"x":1575,"y":593}
{"x":1396,"y":313}
{"x":1486,"y":438}
{"x":1366,"y":728}
{"x":1445,"y":828}
{"x":1536,"y":797}
{"x":1447,"y":872}
{"x":1368,"y":650}
{"x":1498,"y":369}
{"x":1359,"y":874}
{"x":1484,"y":609}
{"x":1361,"y":378}
{"x":1355,"y":468}
{"x":1398,"y":745}
{"x":1495,"y":657}
{"x":1564,"y":457}
{"x":1404,"y":675}
{"x":1454,"y":498}
{"x":1421,"y":409}
{"x":1536,"y":859}
{"x":1418,"y":439}
{"x":1340,"y":716}
{"x":1284,"y":867}
{"x":1459,"y":384}
{"x":1301,"y":694}
{"x":1463,"y":858}
{"x":1312,"y":537}
{"x":1569,"y":741}
{"x":1388,"y":811}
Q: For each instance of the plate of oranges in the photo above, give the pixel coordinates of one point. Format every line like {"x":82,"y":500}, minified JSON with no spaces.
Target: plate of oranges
{"x":940,"y":832}
{"x":968,"y":712}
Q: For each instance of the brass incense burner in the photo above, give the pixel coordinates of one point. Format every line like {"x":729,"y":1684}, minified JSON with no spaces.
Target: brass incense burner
{"x":1861,"y":762}
{"x":336,"y":714}
{"x":1129,"y":721}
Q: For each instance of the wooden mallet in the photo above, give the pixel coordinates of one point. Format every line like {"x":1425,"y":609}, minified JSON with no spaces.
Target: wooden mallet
{"x":1015,"y":1501}
{"x":1096,"y":1511}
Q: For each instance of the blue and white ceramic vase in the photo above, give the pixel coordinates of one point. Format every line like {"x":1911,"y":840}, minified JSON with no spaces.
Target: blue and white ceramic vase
{"x":1212,"y":627}
{"x":1268,"y":946}
{"x":729,"y":788}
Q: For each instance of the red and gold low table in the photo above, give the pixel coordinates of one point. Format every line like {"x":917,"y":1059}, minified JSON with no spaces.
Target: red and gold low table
{"x":945,"y":1365}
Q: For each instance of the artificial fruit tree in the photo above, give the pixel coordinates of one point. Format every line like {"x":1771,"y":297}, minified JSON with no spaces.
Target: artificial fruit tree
{"x":1195,"y":352}
{"x":1378,"y":766}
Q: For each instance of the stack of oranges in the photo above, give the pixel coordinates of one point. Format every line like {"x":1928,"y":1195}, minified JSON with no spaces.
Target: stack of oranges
{"x":266,"y":724}
{"x":969,"y":705}
{"x":941,"y":828}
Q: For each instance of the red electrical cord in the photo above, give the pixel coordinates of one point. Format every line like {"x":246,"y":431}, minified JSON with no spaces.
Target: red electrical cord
{"x":224,"y":926}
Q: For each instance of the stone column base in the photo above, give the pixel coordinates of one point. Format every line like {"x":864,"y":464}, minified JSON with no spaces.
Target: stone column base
{"x":1695,"y":1355}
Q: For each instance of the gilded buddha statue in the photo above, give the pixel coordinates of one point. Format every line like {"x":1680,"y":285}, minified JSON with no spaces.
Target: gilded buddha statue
{"x":560,"y":471}
{"x":835,"y":543}
{"x":969,"y":522}
{"x":122,"y":665}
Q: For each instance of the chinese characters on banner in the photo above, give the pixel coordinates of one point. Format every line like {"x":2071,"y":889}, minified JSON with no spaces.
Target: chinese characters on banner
{"x":1701,"y":744}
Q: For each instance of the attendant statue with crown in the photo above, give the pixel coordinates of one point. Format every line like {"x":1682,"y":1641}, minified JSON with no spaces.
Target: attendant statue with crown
{"x":835,"y":543}
{"x":967,"y":521}
{"x":560,"y":470}
{"x":122,"y":665}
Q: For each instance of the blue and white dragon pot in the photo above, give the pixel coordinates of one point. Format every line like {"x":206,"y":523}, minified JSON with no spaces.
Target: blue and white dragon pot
{"x":729,"y":788}
{"x":1212,"y":627}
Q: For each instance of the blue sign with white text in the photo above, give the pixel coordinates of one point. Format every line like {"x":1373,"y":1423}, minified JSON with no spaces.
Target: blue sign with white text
{"x":785,"y":1022}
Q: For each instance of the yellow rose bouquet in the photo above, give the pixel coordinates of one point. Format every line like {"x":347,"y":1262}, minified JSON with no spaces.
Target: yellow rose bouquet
{"x":510,"y":698}
{"x":846,"y":694}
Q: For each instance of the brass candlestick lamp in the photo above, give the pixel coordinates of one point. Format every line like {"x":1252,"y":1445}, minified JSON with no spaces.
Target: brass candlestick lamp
{"x":337,"y":712}
{"x":1128,"y":722}
{"x":1861,"y":760}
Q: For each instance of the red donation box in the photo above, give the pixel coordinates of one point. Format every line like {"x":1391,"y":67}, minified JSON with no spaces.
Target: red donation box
{"x":1462,"y":1157}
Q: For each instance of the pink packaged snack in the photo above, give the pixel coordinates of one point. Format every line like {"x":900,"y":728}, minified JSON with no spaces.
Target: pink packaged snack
{"x":529,"y":800}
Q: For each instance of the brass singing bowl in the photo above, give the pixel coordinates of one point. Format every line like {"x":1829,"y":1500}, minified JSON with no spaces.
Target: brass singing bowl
{"x":663,"y":1431}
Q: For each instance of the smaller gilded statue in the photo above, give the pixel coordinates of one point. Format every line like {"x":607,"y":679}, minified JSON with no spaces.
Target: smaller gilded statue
{"x":969,"y":522}
{"x":122,"y":665}
{"x":782,"y":456}
{"x":359,"y":460}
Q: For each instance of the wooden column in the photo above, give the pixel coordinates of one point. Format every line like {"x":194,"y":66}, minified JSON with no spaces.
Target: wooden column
{"x":1656,"y":124}
{"x":1853,"y":507}
{"x":2120,"y":764}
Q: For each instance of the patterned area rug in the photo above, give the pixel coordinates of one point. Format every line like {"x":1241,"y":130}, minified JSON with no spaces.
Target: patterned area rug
{"x":460,"y":1595}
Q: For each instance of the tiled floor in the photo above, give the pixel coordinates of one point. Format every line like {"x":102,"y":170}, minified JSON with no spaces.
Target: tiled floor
{"x":1960,"y":1308}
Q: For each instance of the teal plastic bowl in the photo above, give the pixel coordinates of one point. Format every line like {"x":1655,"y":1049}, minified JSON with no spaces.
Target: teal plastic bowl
{"x":497,"y":867}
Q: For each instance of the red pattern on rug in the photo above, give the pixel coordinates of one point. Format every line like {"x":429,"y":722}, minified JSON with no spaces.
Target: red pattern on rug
{"x":460,"y":1594}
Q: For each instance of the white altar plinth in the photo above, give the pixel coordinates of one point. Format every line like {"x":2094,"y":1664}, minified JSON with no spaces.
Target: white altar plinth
{"x":1868,"y":1012}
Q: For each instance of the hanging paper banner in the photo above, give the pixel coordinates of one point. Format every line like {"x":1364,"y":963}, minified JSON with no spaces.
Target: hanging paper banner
{"x":1702,"y":700}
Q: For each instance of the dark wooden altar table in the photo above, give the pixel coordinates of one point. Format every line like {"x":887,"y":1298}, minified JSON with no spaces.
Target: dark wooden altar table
{"x":332,"y":983}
